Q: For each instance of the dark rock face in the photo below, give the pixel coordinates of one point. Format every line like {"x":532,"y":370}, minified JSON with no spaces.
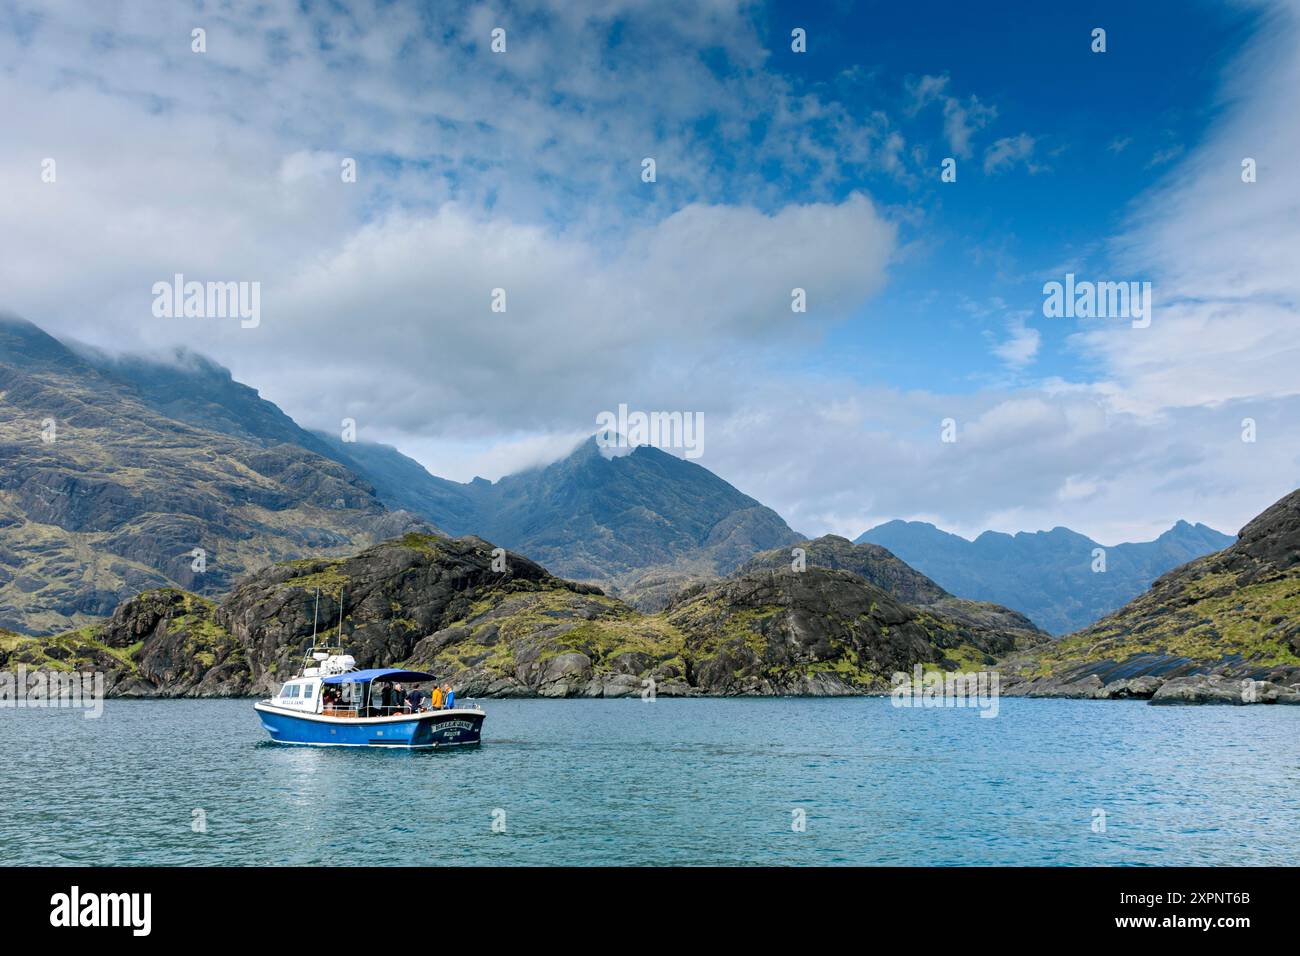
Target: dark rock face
{"x":1268,"y":545}
{"x":393,"y":595}
{"x":1224,"y":628}
{"x":162,"y":643}
{"x":820,"y":631}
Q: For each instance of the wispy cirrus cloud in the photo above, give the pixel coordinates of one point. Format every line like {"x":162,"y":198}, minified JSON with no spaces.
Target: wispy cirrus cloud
{"x":1021,"y":345}
{"x":963,"y":117}
{"x":1010,"y":151}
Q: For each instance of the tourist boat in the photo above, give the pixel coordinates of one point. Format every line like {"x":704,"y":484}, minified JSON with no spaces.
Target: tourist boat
{"x":331,"y":703}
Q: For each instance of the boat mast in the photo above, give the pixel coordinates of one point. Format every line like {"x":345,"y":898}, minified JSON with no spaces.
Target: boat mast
{"x":342,"y":592}
{"x":314,"y":616}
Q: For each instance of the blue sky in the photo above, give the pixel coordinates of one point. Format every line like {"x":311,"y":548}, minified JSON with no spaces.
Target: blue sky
{"x":1104,"y":129}
{"x":522,"y":170}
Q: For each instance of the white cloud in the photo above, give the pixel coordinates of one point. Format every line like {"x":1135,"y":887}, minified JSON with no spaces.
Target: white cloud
{"x":962,"y":120}
{"x":1008,"y":151}
{"x":225,"y":165}
{"x":1020,"y":347}
{"x":584,"y":329}
{"x":924,"y":90}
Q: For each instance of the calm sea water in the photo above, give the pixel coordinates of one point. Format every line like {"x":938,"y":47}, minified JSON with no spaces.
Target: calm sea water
{"x":673,"y":782}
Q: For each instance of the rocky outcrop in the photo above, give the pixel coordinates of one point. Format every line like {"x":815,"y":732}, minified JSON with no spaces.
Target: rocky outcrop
{"x":821,"y":631}
{"x":162,"y":643}
{"x":392,"y":597}
{"x":879,"y":567}
{"x":1214,"y":689}
{"x":556,"y":642}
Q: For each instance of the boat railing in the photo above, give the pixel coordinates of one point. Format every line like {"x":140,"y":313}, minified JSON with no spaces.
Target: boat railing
{"x":380,"y":711}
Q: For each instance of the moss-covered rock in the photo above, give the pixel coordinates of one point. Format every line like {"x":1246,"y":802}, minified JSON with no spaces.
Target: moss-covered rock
{"x":820,"y":631}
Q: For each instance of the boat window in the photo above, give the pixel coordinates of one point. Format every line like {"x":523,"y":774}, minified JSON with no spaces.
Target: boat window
{"x":286,"y":690}
{"x":295,"y":690}
{"x":307,"y":691}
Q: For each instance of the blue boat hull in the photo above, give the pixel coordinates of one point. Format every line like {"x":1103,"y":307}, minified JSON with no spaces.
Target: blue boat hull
{"x":427,"y":730}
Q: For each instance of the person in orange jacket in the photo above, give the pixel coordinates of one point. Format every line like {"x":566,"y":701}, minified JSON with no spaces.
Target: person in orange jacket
{"x":437,"y":697}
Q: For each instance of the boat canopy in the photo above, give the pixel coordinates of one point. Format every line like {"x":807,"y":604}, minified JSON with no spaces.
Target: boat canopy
{"x":378,"y":673}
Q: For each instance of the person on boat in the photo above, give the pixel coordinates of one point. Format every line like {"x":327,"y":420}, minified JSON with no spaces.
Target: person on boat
{"x":437,"y":697}
{"x":399,"y":697}
{"x":414,"y":700}
{"x":448,"y":696}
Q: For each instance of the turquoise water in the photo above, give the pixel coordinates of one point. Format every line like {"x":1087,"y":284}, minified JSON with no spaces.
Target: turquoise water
{"x":669,"y":782}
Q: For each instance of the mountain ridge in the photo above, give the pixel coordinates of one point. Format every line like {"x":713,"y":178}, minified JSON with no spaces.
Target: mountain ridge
{"x":618,"y":520}
{"x":1047,"y":575}
{"x":643,"y":524}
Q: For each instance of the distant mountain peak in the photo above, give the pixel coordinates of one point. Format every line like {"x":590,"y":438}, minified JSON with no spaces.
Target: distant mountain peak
{"x":1048,"y":575}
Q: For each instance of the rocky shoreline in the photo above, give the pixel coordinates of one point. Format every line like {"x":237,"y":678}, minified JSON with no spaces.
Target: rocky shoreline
{"x":1207,"y":688}
{"x":572,"y":679}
